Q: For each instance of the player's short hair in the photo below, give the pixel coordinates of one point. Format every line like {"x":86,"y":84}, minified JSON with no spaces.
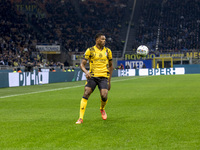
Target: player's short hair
{"x":98,"y":35}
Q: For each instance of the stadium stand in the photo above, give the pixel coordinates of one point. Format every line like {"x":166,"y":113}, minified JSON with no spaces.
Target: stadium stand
{"x":164,"y":24}
{"x":17,"y":37}
{"x":180,"y":28}
{"x":56,"y":22}
{"x":178,"y":22}
{"x":147,"y":27}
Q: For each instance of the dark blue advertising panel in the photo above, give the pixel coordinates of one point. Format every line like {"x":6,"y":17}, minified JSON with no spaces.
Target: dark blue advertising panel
{"x":135,"y":64}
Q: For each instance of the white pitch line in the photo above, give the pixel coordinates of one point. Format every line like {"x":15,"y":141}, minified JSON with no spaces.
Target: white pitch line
{"x":57,"y":89}
{"x":130,"y":78}
{"x":41,"y":91}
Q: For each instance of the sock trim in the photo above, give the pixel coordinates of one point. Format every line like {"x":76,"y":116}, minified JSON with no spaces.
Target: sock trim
{"x":85,"y":98}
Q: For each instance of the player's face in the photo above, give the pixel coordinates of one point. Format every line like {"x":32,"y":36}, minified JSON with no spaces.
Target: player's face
{"x":102,"y":41}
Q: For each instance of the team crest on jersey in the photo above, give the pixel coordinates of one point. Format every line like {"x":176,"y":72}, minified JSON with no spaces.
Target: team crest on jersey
{"x":106,"y":53}
{"x":100,"y":55}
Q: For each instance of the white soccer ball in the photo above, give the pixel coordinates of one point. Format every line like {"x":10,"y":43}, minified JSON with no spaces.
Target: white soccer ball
{"x":142,"y":50}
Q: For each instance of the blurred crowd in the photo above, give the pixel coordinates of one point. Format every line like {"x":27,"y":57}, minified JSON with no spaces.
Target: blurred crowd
{"x":180,"y":24}
{"x":174,"y":23}
{"x":55,"y":22}
{"x":24,"y":24}
{"x":75,"y":28}
{"x":17,"y":38}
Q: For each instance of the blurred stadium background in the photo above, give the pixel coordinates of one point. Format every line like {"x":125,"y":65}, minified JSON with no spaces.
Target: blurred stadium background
{"x":55,"y":33}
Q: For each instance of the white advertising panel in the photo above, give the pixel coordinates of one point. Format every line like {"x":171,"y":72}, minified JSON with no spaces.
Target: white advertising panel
{"x":28,"y":78}
{"x":126,"y":72}
{"x":161,"y":71}
{"x":13,"y":79}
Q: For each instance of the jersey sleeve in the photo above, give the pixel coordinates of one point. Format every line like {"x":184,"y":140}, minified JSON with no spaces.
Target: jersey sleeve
{"x":109,"y":55}
{"x":87,"y":54}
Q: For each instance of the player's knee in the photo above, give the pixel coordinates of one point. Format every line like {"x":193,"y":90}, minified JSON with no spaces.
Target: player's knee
{"x":87,"y":93}
{"x":104,"y":97}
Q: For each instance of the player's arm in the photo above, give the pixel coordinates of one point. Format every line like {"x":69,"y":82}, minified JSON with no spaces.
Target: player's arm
{"x":82,"y":66}
{"x":110,"y":71}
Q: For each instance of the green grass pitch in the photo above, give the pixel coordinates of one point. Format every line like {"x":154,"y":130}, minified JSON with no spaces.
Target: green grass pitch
{"x":144,"y":113}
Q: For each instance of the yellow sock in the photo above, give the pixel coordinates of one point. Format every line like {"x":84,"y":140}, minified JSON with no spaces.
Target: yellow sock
{"x":83,"y":107}
{"x":103,"y":104}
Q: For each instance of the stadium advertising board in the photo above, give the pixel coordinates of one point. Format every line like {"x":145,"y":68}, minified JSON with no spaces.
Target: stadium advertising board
{"x":161,"y":71}
{"x":49,"y":49}
{"x":126,"y":72}
{"x":135,"y":64}
{"x":3,"y":79}
{"x":28,"y":78}
{"x":187,"y":54}
{"x":35,"y":78}
{"x":135,"y":56}
{"x":77,"y":57}
{"x":194,"y":55}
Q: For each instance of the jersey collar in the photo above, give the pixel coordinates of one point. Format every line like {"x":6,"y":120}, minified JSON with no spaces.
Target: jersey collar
{"x":99,"y":49}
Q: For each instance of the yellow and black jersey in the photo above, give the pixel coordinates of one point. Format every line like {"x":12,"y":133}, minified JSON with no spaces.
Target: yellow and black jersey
{"x":99,"y":61}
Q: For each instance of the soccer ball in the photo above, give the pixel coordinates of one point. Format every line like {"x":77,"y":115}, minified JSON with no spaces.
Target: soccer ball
{"x":142,"y":50}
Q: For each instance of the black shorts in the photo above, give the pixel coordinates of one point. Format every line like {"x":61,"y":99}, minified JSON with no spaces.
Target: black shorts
{"x":102,"y":83}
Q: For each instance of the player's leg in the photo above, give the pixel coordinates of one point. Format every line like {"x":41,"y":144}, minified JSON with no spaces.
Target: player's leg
{"x":84,"y":100}
{"x":103,"y":87}
{"x":104,"y":99}
{"x":89,"y":88}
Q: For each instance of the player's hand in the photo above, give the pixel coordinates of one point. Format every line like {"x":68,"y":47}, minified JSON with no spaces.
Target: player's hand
{"x":88,"y":75}
{"x":109,"y":85}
